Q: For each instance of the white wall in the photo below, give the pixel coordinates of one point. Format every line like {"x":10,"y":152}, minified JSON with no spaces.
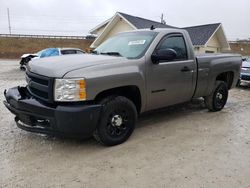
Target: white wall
{"x":213,"y":45}
{"x":120,"y":26}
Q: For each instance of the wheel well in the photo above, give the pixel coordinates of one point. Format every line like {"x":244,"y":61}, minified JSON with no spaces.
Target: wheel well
{"x":227,"y":77}
{"x":130,"y":92}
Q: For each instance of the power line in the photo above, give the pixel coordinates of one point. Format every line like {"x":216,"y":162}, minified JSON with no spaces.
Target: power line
{"x":58,"y":17}
{"x":49,"y":30}
{"x":55,"y":21}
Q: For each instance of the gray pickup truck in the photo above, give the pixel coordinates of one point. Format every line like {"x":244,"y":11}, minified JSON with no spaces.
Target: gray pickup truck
{"x":102,"y":93}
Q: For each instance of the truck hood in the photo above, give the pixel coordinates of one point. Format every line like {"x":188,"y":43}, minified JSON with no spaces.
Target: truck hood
{"x":26,"y":55}
{"x":60,"y":65}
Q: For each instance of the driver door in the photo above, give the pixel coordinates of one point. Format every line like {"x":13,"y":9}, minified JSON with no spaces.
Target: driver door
{"x":171,"y":81}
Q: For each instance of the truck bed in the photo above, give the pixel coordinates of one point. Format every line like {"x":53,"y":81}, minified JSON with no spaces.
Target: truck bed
{"x":209,"y":65}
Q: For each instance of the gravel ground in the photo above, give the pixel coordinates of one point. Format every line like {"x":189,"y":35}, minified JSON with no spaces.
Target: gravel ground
{"x":181,"y":146}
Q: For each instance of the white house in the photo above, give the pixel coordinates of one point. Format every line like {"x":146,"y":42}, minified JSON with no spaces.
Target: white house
{"x":209,"y":38}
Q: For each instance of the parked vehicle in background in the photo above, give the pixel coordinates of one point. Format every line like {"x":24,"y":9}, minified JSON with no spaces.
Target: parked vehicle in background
{"x":48,"y":52}
{"x":245,"y":71}
{"x":101,"y":94}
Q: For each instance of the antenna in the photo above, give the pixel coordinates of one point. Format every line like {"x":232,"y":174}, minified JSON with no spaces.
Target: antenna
{"x":8,"y":12}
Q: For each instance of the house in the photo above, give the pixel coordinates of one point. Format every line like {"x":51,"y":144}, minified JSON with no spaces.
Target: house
{"x":208,"y":38}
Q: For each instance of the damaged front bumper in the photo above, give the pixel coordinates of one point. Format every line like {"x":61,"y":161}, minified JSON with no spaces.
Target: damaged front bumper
{"x":74,"y":120}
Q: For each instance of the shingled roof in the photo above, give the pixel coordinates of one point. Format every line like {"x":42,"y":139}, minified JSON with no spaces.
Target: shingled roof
{"x":142,"y":23}
{"x":199,"y":35}
{"x":202,"y":33}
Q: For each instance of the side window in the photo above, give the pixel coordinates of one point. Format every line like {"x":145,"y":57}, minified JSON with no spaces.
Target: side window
{"x":209,"y":51}
{"x":65,"y":52}
{"x":79,"y":52}
{"x":176,"y":43}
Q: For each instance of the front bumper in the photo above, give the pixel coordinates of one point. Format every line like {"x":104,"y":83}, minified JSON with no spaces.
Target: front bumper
{"x":74,"y":120}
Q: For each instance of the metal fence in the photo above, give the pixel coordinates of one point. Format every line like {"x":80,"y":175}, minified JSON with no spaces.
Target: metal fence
{"x":240,"y":41}
{"x":44,"y":36}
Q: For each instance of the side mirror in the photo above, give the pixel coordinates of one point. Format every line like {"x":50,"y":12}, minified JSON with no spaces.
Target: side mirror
{"x":163,"y":54}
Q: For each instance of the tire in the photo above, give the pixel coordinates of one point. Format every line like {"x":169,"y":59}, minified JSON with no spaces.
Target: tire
{"x":218,"y":98}
{"x":117,"y":121}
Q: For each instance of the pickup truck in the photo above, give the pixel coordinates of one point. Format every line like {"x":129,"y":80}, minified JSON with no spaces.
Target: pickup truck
{"x":101,"y":94}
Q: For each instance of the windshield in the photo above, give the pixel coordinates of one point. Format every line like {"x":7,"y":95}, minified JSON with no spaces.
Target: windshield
{"x":49,"y":52}
{"x":39,"y":53}
{"x":131,"y":45}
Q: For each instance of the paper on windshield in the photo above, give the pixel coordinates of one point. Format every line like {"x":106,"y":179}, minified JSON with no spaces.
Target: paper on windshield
{"x":137,"y":42}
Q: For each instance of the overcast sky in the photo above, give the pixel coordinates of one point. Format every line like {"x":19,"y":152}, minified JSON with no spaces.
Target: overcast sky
{"x":77,"y":17}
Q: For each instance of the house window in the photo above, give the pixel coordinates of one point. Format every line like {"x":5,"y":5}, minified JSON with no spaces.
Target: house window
{"x":209,"y":52}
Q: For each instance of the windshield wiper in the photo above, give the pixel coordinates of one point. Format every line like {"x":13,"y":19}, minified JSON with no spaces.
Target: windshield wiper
{"x":111,"y":53}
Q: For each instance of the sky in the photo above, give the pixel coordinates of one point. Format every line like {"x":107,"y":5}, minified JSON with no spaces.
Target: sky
{"x":77,"y":17}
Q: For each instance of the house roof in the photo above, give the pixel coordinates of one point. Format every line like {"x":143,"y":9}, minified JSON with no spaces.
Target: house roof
{"x":202,"y":33}
{"x":142,"y":23}
{"x":100,"y":25}
{"x":199,"y":34}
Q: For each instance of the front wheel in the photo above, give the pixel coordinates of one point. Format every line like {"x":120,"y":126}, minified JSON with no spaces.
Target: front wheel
{"x":218,"y":98}
{"x":117,"y":121}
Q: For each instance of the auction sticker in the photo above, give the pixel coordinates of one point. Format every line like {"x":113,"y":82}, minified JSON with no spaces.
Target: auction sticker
{"x":137,"y":42}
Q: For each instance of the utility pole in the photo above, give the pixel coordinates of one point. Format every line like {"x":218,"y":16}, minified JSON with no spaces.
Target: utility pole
{"x":162,"y":19}
{"x":8,"y":12}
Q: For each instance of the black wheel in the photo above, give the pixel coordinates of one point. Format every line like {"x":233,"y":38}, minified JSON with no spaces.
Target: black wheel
{"x":217,"y":100}
{"x":117,"y":121}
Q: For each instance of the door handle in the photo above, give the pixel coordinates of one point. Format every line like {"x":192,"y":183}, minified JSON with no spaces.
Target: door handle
{"x":185,"y":69}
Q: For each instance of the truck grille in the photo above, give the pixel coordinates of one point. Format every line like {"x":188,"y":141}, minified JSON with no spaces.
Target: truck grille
{"x":40,"y":87}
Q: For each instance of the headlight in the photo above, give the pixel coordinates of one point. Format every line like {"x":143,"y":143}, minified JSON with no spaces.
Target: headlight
{"x":70,"y":90}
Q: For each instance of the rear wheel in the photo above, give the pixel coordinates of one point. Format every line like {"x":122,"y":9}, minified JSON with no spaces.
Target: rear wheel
{"x":217,"y":100}
{"x":117,"y":121}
